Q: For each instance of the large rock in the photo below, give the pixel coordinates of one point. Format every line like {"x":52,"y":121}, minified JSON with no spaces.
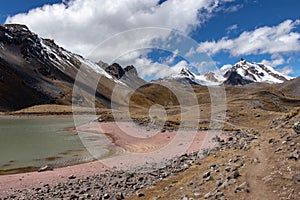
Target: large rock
{"x":296,"y":127}
{"x":115,"y":70}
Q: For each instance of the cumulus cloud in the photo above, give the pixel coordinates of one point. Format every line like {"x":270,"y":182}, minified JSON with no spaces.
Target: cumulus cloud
{"x":150,"y":69}
{"x":121,"y":31}
{"x":263,"y":40}
{"x":276,"y":60}
{"x":79,"y":25}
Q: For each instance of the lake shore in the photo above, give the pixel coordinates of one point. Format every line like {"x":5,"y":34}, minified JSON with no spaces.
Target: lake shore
{"x":136,"y":146}
{"x":10,"y":183}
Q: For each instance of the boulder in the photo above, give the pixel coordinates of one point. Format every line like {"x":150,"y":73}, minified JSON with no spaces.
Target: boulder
{"x":296,"y":127}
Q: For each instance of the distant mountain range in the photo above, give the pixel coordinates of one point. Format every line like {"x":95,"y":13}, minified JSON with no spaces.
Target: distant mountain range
{"x":36,"y":71}
{"x":241,"y":73}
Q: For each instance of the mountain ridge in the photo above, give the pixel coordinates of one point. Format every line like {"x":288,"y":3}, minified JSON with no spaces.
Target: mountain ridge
{"x":45,"y":73}
{"x":241,"y":73}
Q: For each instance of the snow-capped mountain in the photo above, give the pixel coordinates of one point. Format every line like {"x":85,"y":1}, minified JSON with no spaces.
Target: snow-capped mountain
{"x":245,"y":72}
{"x":241,"y":73}
{"x":186,"y":75}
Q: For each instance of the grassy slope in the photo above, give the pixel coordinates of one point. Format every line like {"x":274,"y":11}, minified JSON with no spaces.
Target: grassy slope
{"x":268,"y":172}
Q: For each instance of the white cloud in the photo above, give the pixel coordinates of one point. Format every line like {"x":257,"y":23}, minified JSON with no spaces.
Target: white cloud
{"x":276,"y":39}
{"x":80,"y":25}
{"x":171,"y":58}
{"x":204,"y":67}
{"x":231,"y":28}
{"x":233,"y":8}
{"x":286,"y":70}
{"x":192,"y":51}
{"x":276,"y":60}
{"x":149,"y":69}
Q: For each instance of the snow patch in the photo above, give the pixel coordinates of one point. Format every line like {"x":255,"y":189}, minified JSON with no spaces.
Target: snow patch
{"x":225,"y":68}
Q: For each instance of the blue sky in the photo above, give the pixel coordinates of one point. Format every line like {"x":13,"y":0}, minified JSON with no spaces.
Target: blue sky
{"x":265,"y":31}
{"x":12,"y":7}
{"x":251,"y":15}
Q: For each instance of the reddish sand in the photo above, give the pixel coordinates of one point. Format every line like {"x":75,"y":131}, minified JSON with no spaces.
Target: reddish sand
{"x":9,"y":183}
{"x":142,"y":146}
{"x":138,"y":146}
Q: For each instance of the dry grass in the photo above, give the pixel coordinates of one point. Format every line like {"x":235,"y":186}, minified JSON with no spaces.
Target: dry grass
{"x":246,"y":109}
{"x":51,"y":109}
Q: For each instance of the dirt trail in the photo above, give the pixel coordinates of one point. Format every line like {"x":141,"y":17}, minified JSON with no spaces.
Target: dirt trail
{"x":256,"y":172}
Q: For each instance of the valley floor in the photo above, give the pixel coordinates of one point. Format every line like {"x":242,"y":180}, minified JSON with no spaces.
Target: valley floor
{"x":260,"y":160}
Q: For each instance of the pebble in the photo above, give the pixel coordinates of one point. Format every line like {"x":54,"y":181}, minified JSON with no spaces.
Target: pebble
{"x":106,"y":196}
{"x":234,"y":175}
{"x":242,"y":188}
{"x":72,"y":177}
{"x":140,"y":194}
{"x":197,"y":195}
{"x":294,"y":155}
{"x":206,"y":174}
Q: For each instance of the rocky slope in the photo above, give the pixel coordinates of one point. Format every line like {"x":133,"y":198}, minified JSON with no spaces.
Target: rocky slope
{"x":37,"y":71}
{"x":262,"y":164}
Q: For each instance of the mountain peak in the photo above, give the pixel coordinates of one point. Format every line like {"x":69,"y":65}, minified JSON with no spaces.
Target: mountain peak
{"x":131,"y":70}
{"x":46,"y":72}
{"x":186,"y":72}
{"x":16,"y":27}
{"x":185,"y":75}
{"x":245,"y":72}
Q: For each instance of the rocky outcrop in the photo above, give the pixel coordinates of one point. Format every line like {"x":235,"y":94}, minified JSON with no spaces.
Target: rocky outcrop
{"x":185,"y":72}
{"x":131,"y":70}
{"x":233,"y":78}
{"x":115,"y":70}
